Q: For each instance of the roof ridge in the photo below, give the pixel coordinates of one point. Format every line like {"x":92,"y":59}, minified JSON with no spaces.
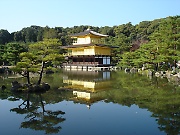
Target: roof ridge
{"x":88,"y":31}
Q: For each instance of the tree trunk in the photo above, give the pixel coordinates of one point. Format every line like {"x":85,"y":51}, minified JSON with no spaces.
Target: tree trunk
{"x":28,"y":78}
{"x":41,"y":73}
{"x":156,"y":66}
{"x":175,"y":64}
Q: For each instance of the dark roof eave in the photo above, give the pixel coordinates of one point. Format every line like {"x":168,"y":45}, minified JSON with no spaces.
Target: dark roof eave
{"x":87,"y":45}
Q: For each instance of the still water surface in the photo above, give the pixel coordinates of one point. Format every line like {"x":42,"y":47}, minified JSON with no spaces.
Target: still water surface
{"x":98,"y":103}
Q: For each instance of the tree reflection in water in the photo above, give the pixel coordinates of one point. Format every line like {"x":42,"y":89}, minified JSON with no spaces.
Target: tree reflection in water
{"x":160,"y":97}
{"x":46,"y":120}
{"x":168,"y":118}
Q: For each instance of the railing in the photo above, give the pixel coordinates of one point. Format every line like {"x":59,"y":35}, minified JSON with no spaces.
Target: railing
{"x":96,"y":41}
{"x":67,"y":54}
{"x":78,"y":53}
{"x":81,"y":63}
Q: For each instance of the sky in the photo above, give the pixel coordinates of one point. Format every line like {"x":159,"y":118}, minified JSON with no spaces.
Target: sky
{"x":18,"y":14}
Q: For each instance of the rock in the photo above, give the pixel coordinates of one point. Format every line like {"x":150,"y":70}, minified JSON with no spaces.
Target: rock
{"x":30,"y":88}
{"x":49,"y":72}
{"x":16,"y":86}
{"x":178,"y":75}
{"x":39,"y":88}
{"x":175,"y":79}
{"x":3,"y":87}
{"x":133,"y":70}
{"x":127,"y":70}
{"x":143,"y":68}
{"x":45,"y":86}
{"x":157,"y":74}
{"x":2,"y":70}
{"x":150,"y":73}
{"x":168,"y":74}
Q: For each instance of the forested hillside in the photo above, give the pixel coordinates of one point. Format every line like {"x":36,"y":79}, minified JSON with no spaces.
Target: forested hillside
{"x":151,"y":42}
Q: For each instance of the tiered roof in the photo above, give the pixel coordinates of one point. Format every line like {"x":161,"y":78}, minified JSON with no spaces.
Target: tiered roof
{"x":87,"y":45}
{"x":87,"y":32}
{"x":84,"y":33}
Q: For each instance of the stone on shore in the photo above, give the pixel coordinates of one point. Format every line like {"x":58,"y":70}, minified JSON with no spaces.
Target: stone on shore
{"x":17,"y":87}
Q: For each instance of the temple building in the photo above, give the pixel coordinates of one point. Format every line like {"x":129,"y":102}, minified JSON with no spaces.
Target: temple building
{"x":88,"y":52}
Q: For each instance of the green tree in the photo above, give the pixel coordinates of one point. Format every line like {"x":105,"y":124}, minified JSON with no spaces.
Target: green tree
{"x":40,"y":35}
{"x":164,"y":43}
{"x":39,"y":55}
{"x":50,"y":33}
{"x":107,"y":31}
{"x":142,"y":30}
{"x":27,"y":64}
{"x":12,"y":51}
{"x":170,"y":33}
{"x":123,"y":45}
{"x":163,"y":46}
{"x":18,"y":36}
{"x":1,"y":53}
{"x":5,"y":36}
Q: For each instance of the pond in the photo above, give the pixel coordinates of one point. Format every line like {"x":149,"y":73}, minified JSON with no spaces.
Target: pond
{"x":92,"y":103}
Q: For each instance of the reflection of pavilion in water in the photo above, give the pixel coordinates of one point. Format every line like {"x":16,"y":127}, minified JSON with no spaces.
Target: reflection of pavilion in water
{"x":87,"y":86}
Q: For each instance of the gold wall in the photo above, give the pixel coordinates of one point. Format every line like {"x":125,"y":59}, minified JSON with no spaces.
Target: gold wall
{"x":93,"y":50}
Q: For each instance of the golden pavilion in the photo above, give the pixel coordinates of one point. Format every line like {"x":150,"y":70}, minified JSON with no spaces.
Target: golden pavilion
{"x":88,"y":52}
